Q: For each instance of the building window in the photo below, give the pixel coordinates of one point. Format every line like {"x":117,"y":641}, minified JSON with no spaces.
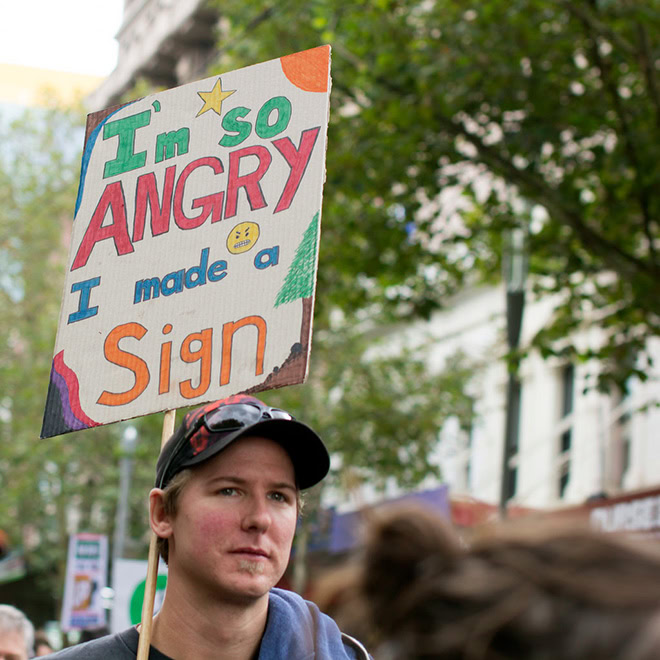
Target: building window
{"x":564,"y":476}
{"x":625,"y":460}
{"x":621,"y":444}
{"x":468,"y":455}
{"x":566,"y":424}
{"x":512,"y":482}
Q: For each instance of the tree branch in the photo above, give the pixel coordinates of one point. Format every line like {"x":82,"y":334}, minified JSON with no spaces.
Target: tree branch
{"x":596,"y":26}
{"x":621,"y":261}
{"x":631,"y":148}
{"x":646,"y":63}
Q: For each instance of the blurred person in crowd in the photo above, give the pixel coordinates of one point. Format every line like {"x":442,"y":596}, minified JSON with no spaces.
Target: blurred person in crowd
{"x":93,"y":633}
{"x":335,"y":592}
{"x":225,"y":508}
{"x":42,"y":645}
{"x":16,"y":634}
{"x":532,"y":590}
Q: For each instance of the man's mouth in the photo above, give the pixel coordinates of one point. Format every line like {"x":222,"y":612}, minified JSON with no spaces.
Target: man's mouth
{"x":251,"y":552}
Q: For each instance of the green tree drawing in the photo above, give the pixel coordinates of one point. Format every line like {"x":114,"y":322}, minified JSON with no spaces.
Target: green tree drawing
{"x":299,"y":281}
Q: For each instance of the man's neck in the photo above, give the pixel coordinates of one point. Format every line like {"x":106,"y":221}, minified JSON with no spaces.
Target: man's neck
{"x":215,"y":630}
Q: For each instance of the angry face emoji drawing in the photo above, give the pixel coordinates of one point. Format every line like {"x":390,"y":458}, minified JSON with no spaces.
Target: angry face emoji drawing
{"x":242,"y":237}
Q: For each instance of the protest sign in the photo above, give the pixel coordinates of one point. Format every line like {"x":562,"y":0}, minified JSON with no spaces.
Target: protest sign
{"x":194,"y":249}
{"x":12,"y":567}
{"x":128,"y":583}
{"x":86,"y":574}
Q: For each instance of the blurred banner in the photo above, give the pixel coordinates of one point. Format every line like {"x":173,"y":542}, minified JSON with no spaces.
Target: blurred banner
{"x":128,"y":581}
{"x":86,"y":576}
{"x":12,"y":566}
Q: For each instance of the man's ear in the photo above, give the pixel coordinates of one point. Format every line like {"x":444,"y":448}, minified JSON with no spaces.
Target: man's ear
{"x":159,"y":520}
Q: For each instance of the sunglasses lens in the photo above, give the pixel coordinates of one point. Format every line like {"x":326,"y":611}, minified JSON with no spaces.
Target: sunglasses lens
{"x":274,"y":413}
{"x":231,"y":417}
{"x":238,"y":415}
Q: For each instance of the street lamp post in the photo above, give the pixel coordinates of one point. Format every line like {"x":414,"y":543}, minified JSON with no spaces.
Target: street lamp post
{"x":128,"y":443}
{"x":515,"y":275}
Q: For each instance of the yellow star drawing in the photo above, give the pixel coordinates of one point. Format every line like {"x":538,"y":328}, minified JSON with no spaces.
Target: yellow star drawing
{"x":213,"y":99}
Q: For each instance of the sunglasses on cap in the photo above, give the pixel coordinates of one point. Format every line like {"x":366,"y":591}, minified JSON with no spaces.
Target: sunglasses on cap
{"x":223,"y":419}
{"x":234,"y":416}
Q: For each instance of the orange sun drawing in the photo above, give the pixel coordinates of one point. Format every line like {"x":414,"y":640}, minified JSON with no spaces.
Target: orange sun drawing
{"x":308,"y":70}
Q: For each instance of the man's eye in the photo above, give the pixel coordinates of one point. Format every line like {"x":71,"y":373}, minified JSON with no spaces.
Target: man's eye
{"x":227,"y":492}
{"x":279,"y":497}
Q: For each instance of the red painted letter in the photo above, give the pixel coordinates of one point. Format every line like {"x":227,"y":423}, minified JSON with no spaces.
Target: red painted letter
{"x":248,"y":181}
{"x":112,"y":197}
{"x":211,"y":204}
{"x":160,"y":213}
{"x":297,"y":160}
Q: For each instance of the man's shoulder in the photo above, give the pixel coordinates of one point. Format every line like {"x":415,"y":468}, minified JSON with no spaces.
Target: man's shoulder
{"x":118,"y":646}
{"x":297,"y":628}
{"x":291,"y":598}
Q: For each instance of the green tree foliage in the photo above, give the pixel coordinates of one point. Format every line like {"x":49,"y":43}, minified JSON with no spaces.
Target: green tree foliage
{"x":67,"y":483}
{"x":378,"y":410}
{"x":541,"y":113}
{"x":37,"y":190}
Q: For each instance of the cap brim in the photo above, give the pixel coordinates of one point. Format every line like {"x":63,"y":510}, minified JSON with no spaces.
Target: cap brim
{"x":308,"y":454}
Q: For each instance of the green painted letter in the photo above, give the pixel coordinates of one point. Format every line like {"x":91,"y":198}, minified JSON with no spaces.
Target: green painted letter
{"x":125,"y":129}
{"x":283,"y":107}
{"x":168,"y":143}
{"x":231,"y":124}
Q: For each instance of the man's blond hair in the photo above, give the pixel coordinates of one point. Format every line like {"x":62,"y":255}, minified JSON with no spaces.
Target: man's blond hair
{"x":171,"y":495}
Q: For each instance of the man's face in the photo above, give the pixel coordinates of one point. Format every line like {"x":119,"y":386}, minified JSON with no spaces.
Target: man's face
{"x":12,"y":646}
{"x":235,"y":521}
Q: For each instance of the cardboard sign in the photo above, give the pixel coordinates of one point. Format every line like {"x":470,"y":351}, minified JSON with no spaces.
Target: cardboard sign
{"x":194,"y":249}
{"x":128,"y":583}
{"x":86,"y":573}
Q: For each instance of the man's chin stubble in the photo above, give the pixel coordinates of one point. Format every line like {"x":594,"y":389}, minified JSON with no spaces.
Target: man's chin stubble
{"x":251,"y":567}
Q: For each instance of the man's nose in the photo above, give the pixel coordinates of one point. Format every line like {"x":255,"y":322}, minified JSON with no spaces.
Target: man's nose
{"x":257,"y":514}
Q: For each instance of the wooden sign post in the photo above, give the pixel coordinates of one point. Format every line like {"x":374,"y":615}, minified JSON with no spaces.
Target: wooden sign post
{"x":152,"y":564}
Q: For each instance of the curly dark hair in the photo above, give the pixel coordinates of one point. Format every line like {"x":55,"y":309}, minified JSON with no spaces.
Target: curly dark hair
{"x":532,"y":590}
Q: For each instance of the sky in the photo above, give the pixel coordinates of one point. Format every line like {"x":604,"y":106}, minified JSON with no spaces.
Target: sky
{"x":76,"y":36}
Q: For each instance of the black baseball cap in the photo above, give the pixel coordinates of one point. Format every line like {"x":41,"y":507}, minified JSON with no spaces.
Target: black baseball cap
{"x":208,"y":430}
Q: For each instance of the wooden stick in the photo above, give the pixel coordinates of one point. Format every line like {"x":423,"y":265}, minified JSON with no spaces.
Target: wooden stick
{"x":152,"y":564}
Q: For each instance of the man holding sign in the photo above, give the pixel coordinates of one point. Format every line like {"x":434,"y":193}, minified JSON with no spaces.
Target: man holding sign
{"x":225,"y":508}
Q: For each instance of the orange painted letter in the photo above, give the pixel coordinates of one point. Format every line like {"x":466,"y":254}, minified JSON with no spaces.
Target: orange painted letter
{"x":126,"y":360}
{"x":228,"y":330}
{"x":203,"y":354}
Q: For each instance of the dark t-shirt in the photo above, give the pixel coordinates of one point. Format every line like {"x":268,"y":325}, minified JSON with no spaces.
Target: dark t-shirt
{"x":121,"y":646}
{"x":295,"y":630}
